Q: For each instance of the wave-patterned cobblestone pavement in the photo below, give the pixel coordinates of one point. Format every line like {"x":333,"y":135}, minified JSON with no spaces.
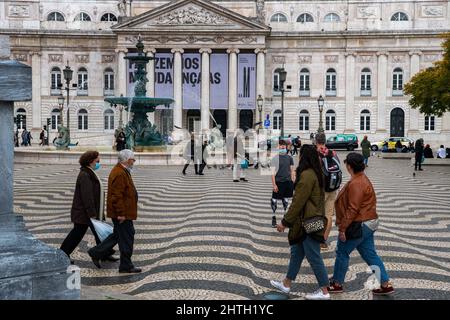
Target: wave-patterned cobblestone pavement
{"x":205,"y":237}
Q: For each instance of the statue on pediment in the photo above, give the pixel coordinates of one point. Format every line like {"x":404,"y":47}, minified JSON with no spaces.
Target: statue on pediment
{"x":122,"y":6}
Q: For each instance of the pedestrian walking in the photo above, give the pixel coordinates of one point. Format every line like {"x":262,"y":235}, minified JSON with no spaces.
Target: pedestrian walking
{"x":333,"y":180}
{"x":16,"y":139}
{"x":42,"y":138}
{"x":122,"y":209}
{"x":283,"y":177}
{"x":307,"y":204}
{"x":24,"y":136}
{"x":193,"y":153}
{"x":365,"y":146}
{"x":87,"y":203}
{"x":357,"y":221}
{"x":120,"y":141}
{"x":419,"y":155}
{"x":296,"y":143}
{"x":29,"y":138}
{"x":240,"y":162}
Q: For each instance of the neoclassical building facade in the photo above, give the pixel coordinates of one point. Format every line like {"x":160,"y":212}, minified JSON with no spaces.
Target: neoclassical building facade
{"x":215,"y":58}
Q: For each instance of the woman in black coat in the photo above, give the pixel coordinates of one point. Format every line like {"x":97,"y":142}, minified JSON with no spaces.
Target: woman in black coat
{"x":86,"y":202}
{"x":419,"y":154}
{"x":120,"y":141}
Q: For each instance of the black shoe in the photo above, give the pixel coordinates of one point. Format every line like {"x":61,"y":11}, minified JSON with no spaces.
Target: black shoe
{"x":235,"y":180}
{"x":132,"y":270}
{"x":111,"y":259}
{"x":184,"y":173}
{"x":72,"y":262}
{"x":201,"y":174}
{"x":420,"y":169}
{"x":96,"y":262}
{"x":274,"y":222}
{"x":243,"y":179}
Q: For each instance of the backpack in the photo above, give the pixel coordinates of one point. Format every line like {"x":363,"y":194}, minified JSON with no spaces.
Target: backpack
{"x":332,"y":172}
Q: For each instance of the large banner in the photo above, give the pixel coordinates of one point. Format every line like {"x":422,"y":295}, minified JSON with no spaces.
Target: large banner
{"x":246,"y":81}
{"x":218,"y":81}
{"x":163,"y":76}
{"x":191,"y":80}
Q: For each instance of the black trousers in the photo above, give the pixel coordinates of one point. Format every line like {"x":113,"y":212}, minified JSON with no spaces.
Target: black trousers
{"x":124,"y":236}
{"x":418,"y":162}
{"x":75,"y":236}
{"x":196,"y":166}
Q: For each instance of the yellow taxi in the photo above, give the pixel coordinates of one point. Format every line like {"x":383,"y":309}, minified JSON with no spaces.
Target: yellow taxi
{"x":392,"y":141}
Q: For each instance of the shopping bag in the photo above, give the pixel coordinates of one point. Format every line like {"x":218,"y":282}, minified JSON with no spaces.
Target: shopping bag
{"x":102,"y":228}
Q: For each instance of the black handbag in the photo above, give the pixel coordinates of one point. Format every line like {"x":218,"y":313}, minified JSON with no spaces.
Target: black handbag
{"x":354,"y":230}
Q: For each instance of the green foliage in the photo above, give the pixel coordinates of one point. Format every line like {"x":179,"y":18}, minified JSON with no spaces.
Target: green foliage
{"x":430,"y":88}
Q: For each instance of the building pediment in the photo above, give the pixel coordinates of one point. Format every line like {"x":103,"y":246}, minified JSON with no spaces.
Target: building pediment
{"x":196,"y":15}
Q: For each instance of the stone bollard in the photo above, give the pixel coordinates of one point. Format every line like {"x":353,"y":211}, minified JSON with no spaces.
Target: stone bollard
{"x":29,"y":269}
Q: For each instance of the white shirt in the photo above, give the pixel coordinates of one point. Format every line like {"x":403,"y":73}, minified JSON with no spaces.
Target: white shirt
{"x":441,"y":153}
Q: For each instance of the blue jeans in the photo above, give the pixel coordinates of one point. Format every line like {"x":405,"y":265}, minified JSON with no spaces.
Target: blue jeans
{"x":366,"y":160}
{"x":311,"y":249}
{"x":366,"y":248}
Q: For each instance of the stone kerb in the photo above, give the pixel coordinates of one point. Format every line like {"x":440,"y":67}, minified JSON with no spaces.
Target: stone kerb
{"x":399,"y":156}
{"x":434,"y":162}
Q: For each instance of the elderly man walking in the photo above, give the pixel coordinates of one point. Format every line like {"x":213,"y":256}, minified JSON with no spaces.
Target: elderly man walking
{"x":122,"y":209}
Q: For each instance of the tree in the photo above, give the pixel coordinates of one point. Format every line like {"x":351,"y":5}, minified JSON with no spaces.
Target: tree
{"x":430,"y":88}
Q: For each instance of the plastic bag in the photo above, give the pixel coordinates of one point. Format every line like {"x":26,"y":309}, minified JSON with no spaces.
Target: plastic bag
{"x":244,"y":164}
{"x":102,"y":228}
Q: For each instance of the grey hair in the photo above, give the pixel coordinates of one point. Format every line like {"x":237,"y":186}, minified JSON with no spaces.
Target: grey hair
{"x":125,"y":155}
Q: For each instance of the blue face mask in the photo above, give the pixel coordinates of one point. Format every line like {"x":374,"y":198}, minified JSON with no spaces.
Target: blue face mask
{"x":283,"y":151}
{"x":97,"y":166}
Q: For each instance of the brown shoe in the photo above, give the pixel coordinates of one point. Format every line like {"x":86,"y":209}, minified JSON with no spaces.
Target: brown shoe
{"x":384,"y":291}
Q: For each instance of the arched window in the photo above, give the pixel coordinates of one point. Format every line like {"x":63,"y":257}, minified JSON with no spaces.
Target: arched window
{"x":305,"y":17}
{"x":108,"y":17}
{"x":109,"y":82}
{"x":331,"y":17}
{"x":55,"y":16}
{"x":56,"y":119}
{"x":82,"y":82}
{"x":278,"y":17}
{"x":304,"y":82}
{"x":429,"y":123}
{"x":276,"y":82}
{"x":330,"y":120}
{"x":55,"y":78}
{"x":330,"y":82}
{"x":304,"y":120}
{"x":397,"y":82}
{"x":366,"y":82}
{"x":82,"y":119}
{"x":277,"y":120}
{"x":399,"y":16}
{"x":364,"y":124}
{"x":21,"y":116}
{"x":82,"y":17}
{"x":108,"y":115}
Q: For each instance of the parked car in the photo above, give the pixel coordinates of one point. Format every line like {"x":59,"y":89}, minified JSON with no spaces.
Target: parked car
{"x":391,"y":143}
{"x":343,"y":141}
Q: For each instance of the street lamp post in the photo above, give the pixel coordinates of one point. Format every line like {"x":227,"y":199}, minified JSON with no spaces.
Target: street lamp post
{"x":282,"y":73}
{"x":68,"y":77}
{"x":61,"y":107}
{"x":320,"y":103}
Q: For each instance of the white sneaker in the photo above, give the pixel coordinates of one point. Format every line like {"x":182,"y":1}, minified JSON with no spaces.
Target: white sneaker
{"x":280,"y":286}
{"x":317,"y":295}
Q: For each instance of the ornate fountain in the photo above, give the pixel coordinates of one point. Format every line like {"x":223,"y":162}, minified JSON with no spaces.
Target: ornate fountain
{"x":139,"y":132}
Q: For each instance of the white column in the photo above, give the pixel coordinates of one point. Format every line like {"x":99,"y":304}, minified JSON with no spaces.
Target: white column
{"x":121,"y":72}
{"x":36,"y":91}
{"x":414,"y":113}
{"x":205,"y":122}
{"x":177,"y":88}
{"x":260,"y":79}
{"x":381,"y":91}
{"x":232,"y":89}
{"x":349,"y":91}
{"x":150,"y":85}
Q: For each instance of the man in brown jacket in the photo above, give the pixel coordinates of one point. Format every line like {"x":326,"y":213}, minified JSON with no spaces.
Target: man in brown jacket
{"x":122,"y":209}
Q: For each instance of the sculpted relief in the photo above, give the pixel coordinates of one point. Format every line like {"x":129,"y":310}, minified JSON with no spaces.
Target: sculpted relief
{"x":367,"y":12}
{"x":432,"y":11}
{"x":191,"y":15}
{"x":19,"y":11}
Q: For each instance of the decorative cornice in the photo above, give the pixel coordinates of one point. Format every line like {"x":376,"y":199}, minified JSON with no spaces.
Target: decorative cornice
{"x":349,"y":54}
{"x":123,"y":50}
{"x":382,"y":53}
{"x":150,"y":51}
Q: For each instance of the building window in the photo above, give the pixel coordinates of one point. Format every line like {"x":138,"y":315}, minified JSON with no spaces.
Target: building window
{"x":331,"y":17}
{"x":304,"y":121}
{"x":56,"y":119}
{"x":109,"y":119}
{"x":304,"y":82}
{"x":55,"y":16}
{"x":330,"y":83}
{"x":305,"y":17}
{"x":109,"y":82}
{"x":82,"y":17}
{"x":55,"y":77}
{"x":108,"y":17}
{"x":82,"y":82}
{"x":397,"y":82}
{"x":277,"y":120}
{"x":276,"y":82}
{"x":330,"y":120}
{"x":278,"y":17}
{"x":364,"y":124}
{"x":21,"y":116}
{"x":429,"y":123}
{"x":82,"y":119}
{"x":366,"y":83}
{"x":399,"y":16}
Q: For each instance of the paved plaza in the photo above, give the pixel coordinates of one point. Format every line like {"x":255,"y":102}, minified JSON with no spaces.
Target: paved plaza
{"x":205,"y":237}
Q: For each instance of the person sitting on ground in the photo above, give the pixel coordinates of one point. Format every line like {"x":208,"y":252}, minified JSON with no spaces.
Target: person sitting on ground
{"x":427,"y":152}
{"x":399,"y":146}
{"x":441,"y":153}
